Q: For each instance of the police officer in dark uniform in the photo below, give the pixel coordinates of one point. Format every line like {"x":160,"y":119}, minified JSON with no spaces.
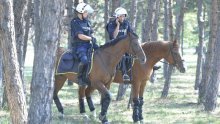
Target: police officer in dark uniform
{"x":119,"y":27}
{"x":81,"y":37}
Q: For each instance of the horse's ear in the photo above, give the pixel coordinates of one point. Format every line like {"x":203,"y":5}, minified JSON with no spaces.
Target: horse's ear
{"x":175,"y":43}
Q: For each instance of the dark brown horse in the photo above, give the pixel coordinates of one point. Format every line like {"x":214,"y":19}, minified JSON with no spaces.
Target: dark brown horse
{"x":103,"y":70}
{"x":154,"y":51}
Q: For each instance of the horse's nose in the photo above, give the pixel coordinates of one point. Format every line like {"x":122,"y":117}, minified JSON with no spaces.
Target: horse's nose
{"x":183,"y":69}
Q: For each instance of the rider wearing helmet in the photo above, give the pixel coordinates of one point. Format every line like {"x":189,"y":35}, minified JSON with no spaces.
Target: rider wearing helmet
{"x":119,"y":27}
{"x":81,"y":37}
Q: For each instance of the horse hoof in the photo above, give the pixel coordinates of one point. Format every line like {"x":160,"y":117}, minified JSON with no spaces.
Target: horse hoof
{"x":86,"y":118}
{"x":61,"y":116}
{"x":106,"y":123}
{"x":138,"y":122}
{"x":141,"y":121}
{"x":93,"y":114}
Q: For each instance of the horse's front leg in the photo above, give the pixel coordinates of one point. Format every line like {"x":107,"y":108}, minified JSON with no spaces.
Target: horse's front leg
{"x":105,"y":101}
{"x":88,"y":93}
{"x":81,"y":93}
{"x":141,"y":101}
{"x":59,"y":81}
{"x":136,"y":102}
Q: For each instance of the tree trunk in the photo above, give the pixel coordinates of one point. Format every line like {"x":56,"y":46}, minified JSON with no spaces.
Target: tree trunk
{"x":154,"y":33}
{"x":19,"y":23}
{"x":115,"y":4}
{"x":210,"y":53}
{"x":200,"y":58}
{"x":1,"y":75}
{"x":213,"y":85}
{"x":167,"y":82}
{"x":179,"y":21}
{"x":148,"y":21}
{"x":166,"y":34}
{"x":106,"y":18}
{"x":15,"y":93}
{"x":27,"y":26}
{"x":133,"y":14}
{"x":70,"y":15}
{"x":46,"y":40}
{"x":177,"y":36}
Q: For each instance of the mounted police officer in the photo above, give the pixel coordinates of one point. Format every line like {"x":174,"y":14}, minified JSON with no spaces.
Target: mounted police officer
{"x":81,"y":36}
{"x":119,"y":27}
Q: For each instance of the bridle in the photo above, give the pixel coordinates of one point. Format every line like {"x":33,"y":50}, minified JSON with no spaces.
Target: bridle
{"x":133,"y":56}
{"x":176,"y":62}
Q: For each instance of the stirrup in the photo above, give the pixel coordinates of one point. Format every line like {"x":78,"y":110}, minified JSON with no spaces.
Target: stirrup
{"x":126,"y":78}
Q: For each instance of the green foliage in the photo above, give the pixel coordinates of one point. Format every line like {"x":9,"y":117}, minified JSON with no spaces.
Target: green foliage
{"x":190,"y":30}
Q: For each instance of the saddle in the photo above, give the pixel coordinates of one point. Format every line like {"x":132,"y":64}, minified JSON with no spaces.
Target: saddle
{"x":68,"y":63}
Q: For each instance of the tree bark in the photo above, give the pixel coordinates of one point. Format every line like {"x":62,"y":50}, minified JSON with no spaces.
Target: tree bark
{"x":209,"y":55}
{"x":70,"y":15}
{"x":133,"y":14}
{"x":166,"y":33}
{"x":148,"y":21}
{"x":27,"y":26}
{"x":177,"y":36}
{"x":115,"y":4}
{"x":46,"y":40}
{"x":1,"y":75}
{"x":213,"y":84}
{"x":154,"y":33}
{"x":106,"y":18}
{"x":200,"y":58}
{"x":15,"y":93}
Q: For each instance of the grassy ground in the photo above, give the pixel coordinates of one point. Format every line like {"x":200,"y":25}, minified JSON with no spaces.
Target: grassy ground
{"x":180,"y":106}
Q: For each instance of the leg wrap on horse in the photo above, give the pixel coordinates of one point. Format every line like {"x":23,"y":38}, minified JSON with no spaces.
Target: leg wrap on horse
{"x":82,"y":106}
{"x":90,"y":103}
{"x":105,"y":104}
{"x":135,"y":115}
{"x":58,"y":103}
{"x":140,"y":108}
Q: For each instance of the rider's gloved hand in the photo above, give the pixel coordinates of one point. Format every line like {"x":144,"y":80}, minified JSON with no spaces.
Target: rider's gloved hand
{"x":94,"y":44}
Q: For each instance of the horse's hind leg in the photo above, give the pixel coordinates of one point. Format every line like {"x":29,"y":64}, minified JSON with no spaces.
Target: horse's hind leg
{"x":88,"y":93}
{"x":59,"y":81}
{"x":81,"y":93}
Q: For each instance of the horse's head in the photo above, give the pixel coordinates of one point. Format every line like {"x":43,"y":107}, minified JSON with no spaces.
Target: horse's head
{"x":135,"y":48}
{"x":174,"y":57}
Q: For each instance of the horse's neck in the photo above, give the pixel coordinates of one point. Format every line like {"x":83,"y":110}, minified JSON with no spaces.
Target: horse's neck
{"x":113,"y":54}
{"x":156,"y":51}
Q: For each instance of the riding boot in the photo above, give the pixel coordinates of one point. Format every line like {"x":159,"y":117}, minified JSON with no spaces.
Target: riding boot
{"x":81,"y":82}
{"x":126,"y":78}
{"x":156,"y":67}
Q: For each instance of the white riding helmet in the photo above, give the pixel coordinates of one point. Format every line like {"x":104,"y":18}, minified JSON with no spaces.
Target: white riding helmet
{"x":82,"y":7}
{"x":120,"y":11}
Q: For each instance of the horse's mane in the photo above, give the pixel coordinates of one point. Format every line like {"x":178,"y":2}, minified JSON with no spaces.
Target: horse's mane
{"x":113,"y":42}
{"x":153,"y":45}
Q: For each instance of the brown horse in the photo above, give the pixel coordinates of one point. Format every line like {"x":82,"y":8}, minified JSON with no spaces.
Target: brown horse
{"x":154,"y":51}
{"x":102,"y":73}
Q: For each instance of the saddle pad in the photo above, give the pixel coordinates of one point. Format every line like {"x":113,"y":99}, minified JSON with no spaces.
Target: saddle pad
{"x":69,"y":64}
